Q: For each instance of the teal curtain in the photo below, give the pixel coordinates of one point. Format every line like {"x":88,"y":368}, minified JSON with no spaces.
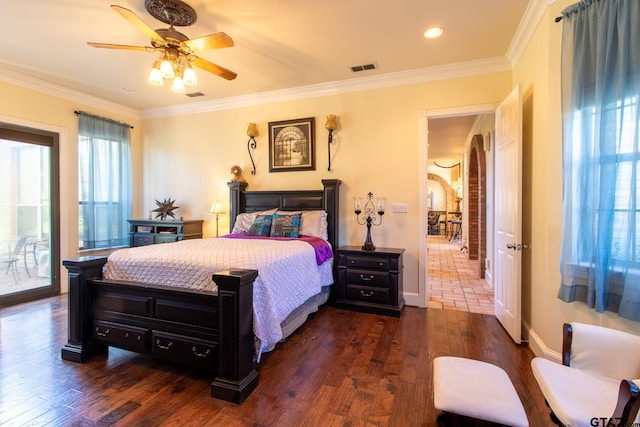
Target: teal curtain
{"x":104,"y":160}
{"x":600,"y":261}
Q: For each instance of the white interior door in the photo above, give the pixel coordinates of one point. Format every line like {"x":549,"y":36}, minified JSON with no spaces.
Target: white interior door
{"x":508,"y":214}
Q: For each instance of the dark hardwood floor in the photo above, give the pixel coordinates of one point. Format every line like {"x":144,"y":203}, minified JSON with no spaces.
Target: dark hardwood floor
{"x":341,"y":368}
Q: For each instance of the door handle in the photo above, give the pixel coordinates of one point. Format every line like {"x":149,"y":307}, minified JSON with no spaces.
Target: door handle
{"x":518,"y":246}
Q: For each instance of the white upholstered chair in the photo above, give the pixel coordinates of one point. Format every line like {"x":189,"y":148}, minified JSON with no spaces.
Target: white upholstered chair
{"x":598,"y":378}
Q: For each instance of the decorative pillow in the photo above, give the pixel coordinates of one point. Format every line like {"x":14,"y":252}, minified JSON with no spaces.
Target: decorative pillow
{"x":313,"y":223}
{"x":261,"y":226}
{"x":245,"y":220}
{"x":286,"y":225}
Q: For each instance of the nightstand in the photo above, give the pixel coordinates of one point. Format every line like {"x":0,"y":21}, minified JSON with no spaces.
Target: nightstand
{"x":370,"y":281}
{"x":145,"y":232}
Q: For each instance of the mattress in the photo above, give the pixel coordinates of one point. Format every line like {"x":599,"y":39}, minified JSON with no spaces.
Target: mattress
{"x":288,"y":273}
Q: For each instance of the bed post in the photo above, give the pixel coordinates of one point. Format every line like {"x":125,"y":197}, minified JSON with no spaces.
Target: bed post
{"x":80,"y":346}
{"x":332,"y":207}
{"x":236,"y":375}
{"x":235,"y":203}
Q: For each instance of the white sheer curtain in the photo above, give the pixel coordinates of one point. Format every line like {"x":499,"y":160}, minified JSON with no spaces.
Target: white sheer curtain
{"x":600,"y":262}
{"x":104,"y":160}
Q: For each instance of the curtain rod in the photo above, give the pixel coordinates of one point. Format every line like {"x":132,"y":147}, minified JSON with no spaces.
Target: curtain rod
{"x":77,"y":113}
{"x":558,"y":19}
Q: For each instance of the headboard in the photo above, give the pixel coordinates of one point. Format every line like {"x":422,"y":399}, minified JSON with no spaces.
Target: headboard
{"x":289,"y":200}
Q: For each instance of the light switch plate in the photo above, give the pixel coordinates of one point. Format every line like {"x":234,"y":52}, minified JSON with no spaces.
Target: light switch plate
{"x":400,"y":207}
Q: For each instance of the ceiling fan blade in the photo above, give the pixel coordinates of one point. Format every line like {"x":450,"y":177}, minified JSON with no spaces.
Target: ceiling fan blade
{"x":122,"y":46}
{"x":213,"y":68}
{"x":212,"y":41}
{"x":135,"y":20}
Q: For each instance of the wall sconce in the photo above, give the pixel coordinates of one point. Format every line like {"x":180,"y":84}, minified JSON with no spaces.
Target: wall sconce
{"x":369,"y":217}
{"x":217,"y":210}
{"x":330,"y":125}
{"x":252,"y":132}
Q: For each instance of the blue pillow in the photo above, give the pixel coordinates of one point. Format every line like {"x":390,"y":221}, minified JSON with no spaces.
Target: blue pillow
{"x":261,"y":226}
{"x":286,"y":225}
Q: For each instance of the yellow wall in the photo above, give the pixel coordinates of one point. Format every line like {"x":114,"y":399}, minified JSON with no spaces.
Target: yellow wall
{"x":376,"y":149}
{"x":538,"y":71}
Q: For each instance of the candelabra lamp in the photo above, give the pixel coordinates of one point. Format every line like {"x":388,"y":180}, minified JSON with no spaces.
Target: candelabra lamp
{"x":369,"y":212}
{"x":252,"y":132}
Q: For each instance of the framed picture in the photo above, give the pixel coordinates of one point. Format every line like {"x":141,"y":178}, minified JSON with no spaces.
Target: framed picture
{"x":292,"y":145}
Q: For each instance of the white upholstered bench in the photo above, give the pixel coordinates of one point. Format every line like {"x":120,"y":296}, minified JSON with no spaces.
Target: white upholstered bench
{"x":476,"y":389}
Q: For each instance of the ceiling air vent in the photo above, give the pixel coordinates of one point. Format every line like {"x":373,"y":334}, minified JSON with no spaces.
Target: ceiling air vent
{"x":194,"y":94}
{"x":365,"y":67}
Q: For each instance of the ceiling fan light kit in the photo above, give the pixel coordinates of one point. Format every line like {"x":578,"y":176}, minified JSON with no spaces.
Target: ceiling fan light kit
{"x":177,"y":51}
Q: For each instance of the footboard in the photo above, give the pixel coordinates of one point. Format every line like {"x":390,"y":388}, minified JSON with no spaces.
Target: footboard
{"x":211,"y":330}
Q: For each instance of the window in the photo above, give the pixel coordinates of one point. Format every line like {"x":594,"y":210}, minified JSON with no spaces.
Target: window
{"x":104,"y":162}
{"x":600,"y":262}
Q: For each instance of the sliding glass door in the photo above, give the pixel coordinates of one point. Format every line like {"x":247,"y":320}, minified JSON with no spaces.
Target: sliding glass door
{"x":29,"y":231}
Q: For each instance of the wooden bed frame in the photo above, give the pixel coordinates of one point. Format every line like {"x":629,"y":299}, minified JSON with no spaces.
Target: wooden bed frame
{"x":212,"y":330}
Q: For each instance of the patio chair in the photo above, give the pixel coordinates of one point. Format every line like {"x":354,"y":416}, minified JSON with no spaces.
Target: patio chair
{"x":12,"y":257}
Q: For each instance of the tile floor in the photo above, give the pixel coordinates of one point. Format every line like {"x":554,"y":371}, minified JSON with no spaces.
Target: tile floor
{"x":453,"y":281}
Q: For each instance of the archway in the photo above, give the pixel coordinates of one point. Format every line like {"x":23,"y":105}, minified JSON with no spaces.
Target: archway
{"x":451,"y":202}
{"x":477,"y":203}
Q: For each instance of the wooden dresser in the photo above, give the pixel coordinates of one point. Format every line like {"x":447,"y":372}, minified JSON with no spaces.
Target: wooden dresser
{"x":144,"y":232}
{"x":370,"y":281}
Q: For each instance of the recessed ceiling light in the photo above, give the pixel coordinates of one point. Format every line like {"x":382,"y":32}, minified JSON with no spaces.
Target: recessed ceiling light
{"x":433,"y":32}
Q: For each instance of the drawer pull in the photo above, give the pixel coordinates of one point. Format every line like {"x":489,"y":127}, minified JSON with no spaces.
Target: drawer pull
{"x":366,"y":294}
{"x":138,"y":337}
{"x":363,"y":277}
{"x":102,"y":334}
{"x":381,"y":264}
{"x":164,"y":347}
{"x":195,"y":351}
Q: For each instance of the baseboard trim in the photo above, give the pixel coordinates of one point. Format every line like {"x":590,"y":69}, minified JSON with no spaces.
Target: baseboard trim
{"x":412,"y":299}
{"x":540,"y":349}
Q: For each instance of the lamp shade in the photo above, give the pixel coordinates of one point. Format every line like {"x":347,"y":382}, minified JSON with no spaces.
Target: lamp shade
{"x":216,"y":208}
{"x":155,"y":77}
{"x":166,"y":68}
{"x":189,"y":77}
{"x":331,"y":123}
{"x":252,"y":129}
{"x":177,"y":85}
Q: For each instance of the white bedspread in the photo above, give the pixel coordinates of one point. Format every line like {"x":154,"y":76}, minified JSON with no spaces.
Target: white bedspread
{"x":287,"y":273}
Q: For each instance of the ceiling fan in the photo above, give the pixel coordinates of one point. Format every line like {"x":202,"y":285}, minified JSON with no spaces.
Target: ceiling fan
{"x":176,"y":49}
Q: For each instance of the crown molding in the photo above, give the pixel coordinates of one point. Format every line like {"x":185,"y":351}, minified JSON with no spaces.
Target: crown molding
{"x":403,"y":78}
{"x":42,"y":86}
{"x":532,"y":15}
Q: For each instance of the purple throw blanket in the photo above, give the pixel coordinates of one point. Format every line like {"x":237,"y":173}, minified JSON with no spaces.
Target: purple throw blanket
{"x":321,"y":247}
